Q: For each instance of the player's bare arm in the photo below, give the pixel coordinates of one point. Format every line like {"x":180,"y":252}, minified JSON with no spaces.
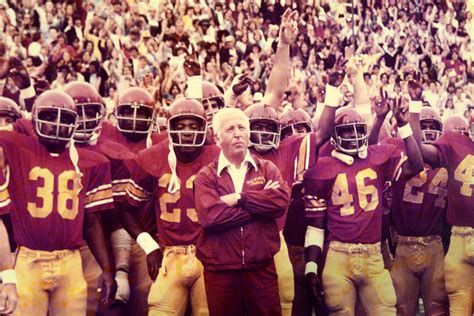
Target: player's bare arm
{"x":281,"y":69}
{"x":414,"y":164}
{"x":382,"y":107}
{"x":94,"y":236}
{"x":326,"y":122}
{"x":8,"y":294}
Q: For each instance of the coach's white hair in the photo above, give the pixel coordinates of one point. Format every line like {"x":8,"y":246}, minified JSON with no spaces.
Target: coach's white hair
{"x":225,"y":114}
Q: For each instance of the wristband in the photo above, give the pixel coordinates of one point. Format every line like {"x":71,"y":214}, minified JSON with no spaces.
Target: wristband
{"x":415,"y":106}
{"x":8,"y":276}
{"x":314,"y":237}
{"x":311,"y":267}
{"x":405,"y":131}
{"x":332,"y":96}
{"x":147,"y":243}
{"x":28,"y":92}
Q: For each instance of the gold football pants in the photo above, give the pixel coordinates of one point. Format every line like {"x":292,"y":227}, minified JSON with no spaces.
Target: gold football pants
{"x":419,"y":266}
{"x":286,"y":282}
{"x":181,"y":276}
{"x":50,"y":280}
{"x":459,"y":270}
{"x":352,"y":269}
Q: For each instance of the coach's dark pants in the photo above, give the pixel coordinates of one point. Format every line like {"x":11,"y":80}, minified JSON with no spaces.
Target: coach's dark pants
{"x":243,"y":292}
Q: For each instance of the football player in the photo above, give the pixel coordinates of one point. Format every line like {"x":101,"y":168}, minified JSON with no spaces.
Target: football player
{"x":418,"y":211}
{"x":54,"y":195}
{"x":9,"y":113}
{"x":135,"y":115}
{"x":168,"y":183}
{"x":91,"y":111}
{"x":454,"y":150}
{"x":343,"y":194}
{"x":295,"y":121}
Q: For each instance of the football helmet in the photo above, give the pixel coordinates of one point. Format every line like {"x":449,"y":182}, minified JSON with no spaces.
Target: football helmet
{"x":430,"y":124}
{"x":265,"y":127}
{"x":54,"y":116}
{"x":212,"y":99}
{"x":184,"y":137}
{"x":350,"y":133}
{"x":295,"y":121}
{"x":90,"y":109}
{"x":9,"y":109}
{"x":457,"y":123}
{"x":135,"y":111}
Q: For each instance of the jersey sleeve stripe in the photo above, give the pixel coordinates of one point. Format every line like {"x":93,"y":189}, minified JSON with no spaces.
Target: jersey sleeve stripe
{"x":107,"y":186}
{"x":100,"y":195}
{"x":5,"y":203}
{"x":4,"y":195}
{"x":119,"y":189}
{"x":100,"y":202}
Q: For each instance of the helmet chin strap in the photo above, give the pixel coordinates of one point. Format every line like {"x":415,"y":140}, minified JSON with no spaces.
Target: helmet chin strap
{"x":174,"y":184}
{"x":345,"y":158}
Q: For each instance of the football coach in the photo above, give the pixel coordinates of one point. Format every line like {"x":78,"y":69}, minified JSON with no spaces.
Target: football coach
{"x":238,"y":198}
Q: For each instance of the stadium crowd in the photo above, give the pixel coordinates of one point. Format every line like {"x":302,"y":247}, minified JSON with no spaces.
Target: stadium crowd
{"x":272,"y":69}
{"x":117,"y":44}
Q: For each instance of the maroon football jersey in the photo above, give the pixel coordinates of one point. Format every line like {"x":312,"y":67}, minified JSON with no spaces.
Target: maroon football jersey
{"x":48,"y":198}
{"x":120,"y":158}
{"x":351,"y":196}
{"x":419,"y":204}
{"x":292,"y":157}
{"x":112,"y":133}
{"x":176,"y":217}
{"x":24,"y":126}
{"x":456,"y":154}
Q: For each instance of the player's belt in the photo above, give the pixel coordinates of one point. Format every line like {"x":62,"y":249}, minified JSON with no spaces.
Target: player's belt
{"x":181,"y":249}
{"x":355,"y":248}
{"x":422,"y":240}
{"x":462,"y":231}
{"x":45,"y":255}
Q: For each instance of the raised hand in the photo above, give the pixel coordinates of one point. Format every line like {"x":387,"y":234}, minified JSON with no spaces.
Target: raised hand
{"x":382,"y":104}
{"x":400,"y":111}
{"x":289,"y":27}
{"x":415,"y":90}
{"x":240,"y":84}
{"x":337,"y":73}
{"x":19,"y":74}
{"x":191,"y":64}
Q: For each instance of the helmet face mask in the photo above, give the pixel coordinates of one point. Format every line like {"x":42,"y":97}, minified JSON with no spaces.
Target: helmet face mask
{"x":134,"y":118}
{"x":54,"y":123}
{"x":431,"y":130}
{"x":264,"y":134}
{"x":295,"y":128}
{"x":187,"y":131}
{"x":187,"y":124}
{"x":89,"y":121}
{"x":350,"y":138}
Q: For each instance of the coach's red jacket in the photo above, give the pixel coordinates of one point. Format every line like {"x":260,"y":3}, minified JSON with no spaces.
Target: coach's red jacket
{"x":243,"y":236}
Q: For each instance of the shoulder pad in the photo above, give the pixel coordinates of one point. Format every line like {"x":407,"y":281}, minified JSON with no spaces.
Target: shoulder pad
{"x":379,"y":154}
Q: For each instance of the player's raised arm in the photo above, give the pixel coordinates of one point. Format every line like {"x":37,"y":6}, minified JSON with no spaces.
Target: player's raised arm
{"x":414,"y":164}
{"x":428,"y":151}
{"x":382,"y":107}
{"x":331,"y":102}
{"x":279,"y":75}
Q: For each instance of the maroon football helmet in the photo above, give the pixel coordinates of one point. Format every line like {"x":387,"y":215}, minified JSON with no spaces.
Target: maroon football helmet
{"x":182,"y":109}
{"x":9,"y":110}
{"x":265,"y":126}
{"x":135,"y":111}
{"x":295,"y":121}
{"x":430,"y":124}
{"x":457,"y":123}
{"x":350,"y":132}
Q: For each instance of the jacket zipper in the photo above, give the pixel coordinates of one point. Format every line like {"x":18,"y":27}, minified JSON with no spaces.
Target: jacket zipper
{"x":242,"y":239}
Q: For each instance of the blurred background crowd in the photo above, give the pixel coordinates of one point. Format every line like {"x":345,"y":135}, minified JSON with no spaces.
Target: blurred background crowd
{"x":116,"y":44}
